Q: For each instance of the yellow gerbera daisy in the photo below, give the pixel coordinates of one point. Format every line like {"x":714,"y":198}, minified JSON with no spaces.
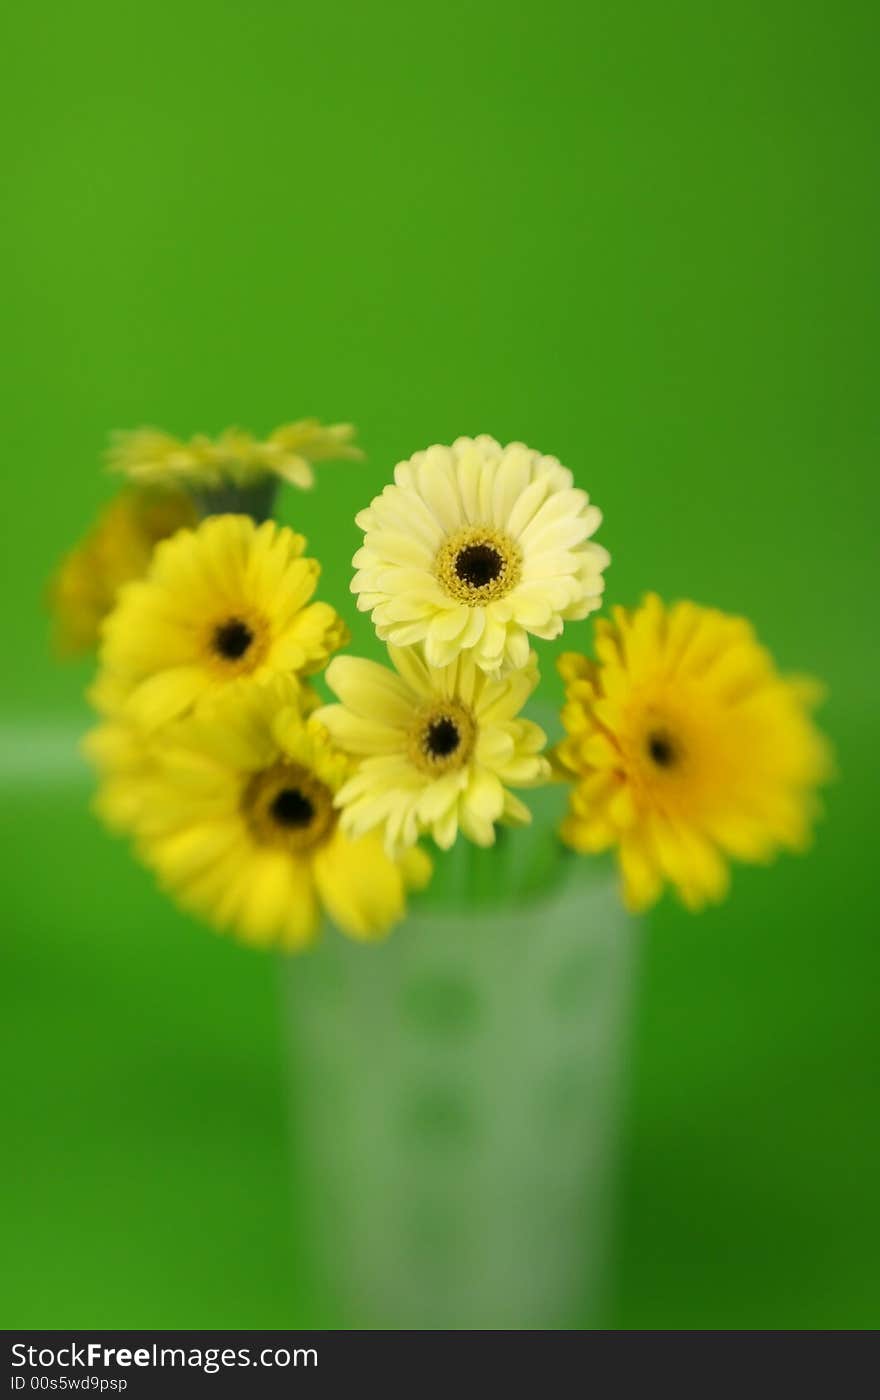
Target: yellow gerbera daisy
{"x":121,"y":753}
{"x":117,"y":549}
{"x":227,"y":600}
{"x":686,"y":746}
{"x":238,"y":821}
{"x":437,"y":747}
{"x":473,"y":548}
{"x":235,"y":458}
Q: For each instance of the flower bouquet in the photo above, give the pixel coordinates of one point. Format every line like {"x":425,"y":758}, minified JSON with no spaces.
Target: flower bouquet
{"x":455,"y":1087}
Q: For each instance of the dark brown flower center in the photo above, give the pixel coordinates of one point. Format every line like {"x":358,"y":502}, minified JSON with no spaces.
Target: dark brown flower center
{"x":442,"y":737}
{"x":232,"y":639}
{"x":288,"y":807}
{"x":292,"y":808}
{"x":662,"y":750}
{"x":478,"y":565}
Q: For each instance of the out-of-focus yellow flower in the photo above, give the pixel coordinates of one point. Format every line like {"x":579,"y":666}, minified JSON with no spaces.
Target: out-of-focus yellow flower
{"x":235,"y":458}
{"x":123,"y":756}
{"x":234,"y":810}
{"x":438,"y":748}
{"x":227,"y":600}
{"x":116,"y":550}
{"x":474,"y":548}
{"x":686,"y":746}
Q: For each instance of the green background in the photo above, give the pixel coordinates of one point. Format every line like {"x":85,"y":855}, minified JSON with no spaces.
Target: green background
{"x":640,"y":236}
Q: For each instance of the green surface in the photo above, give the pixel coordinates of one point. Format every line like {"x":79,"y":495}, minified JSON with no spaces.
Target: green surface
{"x":641,"y":236}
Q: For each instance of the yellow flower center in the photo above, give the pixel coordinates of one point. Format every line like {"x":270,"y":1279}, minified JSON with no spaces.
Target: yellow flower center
{"x":477,"y":564}
{"x":237,"y":644}
{"x":670,"y":761}
{"x":287,"y":807}
{"x":443,"y":737}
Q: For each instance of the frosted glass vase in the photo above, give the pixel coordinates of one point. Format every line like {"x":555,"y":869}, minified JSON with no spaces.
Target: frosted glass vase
{"x":456,"y":1094}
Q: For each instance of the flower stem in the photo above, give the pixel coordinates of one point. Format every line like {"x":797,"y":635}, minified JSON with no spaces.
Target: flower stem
{"x":257,"y":501}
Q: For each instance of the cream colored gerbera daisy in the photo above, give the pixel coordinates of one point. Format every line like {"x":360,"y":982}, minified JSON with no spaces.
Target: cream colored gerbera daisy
{"x":475,"y":547}
{"x":686,"y":746}
{"x":439,"y":749}
{"x":235,"y":458}
{"x":239,"y":823}
{"x":227,"y":600}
